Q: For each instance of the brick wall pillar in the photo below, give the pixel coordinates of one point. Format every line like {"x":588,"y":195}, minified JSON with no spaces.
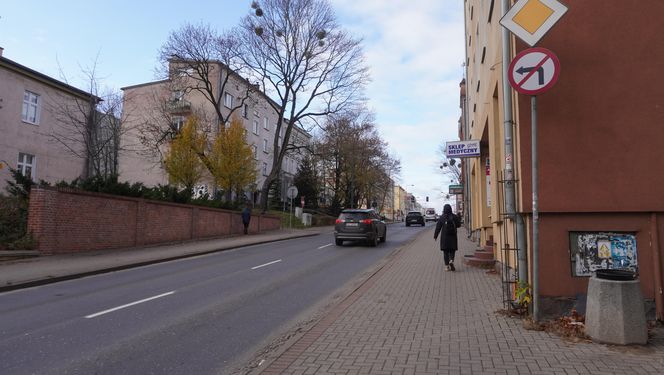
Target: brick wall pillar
{"x":194,"y":220}
{"x":140,"y":223}
{"x":42,"y":220}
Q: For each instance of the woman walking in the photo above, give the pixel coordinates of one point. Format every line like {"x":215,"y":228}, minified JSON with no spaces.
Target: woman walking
{"x":447,"y":224}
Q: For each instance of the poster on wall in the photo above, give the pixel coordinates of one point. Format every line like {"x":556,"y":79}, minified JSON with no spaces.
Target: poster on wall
{"x":591,"y":251}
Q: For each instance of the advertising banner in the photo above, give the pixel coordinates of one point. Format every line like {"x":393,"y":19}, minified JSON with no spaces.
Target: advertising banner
{"x":462,"y":149}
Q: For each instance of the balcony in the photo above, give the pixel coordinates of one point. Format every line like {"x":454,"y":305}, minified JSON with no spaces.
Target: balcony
{"x":178,"y":106}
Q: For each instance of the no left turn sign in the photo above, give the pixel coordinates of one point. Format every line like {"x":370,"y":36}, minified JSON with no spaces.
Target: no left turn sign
{"x":534,"y":71}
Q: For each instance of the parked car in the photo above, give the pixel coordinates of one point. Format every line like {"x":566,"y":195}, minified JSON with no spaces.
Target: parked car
{"x":414,"y":217}
{"x":359,"y":225}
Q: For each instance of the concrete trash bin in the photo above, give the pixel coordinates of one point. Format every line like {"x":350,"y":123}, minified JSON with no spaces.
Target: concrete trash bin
{"x":614,"y":308}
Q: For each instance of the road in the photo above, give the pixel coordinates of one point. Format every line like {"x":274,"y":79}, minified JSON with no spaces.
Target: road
{"x":207,"y":314}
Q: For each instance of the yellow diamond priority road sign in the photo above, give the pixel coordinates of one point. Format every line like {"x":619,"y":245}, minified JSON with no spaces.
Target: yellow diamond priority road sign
{"x":531,"y":19}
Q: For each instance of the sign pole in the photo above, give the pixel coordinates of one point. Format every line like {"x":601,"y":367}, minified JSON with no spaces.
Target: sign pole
{"x":532,"y":72}
{"x":533,"y":120}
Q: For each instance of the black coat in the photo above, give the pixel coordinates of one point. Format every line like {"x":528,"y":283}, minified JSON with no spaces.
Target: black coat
{"x":447,"y":241}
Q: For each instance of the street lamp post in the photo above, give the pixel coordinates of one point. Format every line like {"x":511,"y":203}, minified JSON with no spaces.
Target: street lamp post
{"x":452,"y":167}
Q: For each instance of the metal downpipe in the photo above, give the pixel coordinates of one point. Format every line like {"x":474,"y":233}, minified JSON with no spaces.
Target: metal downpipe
{"x":508,"y":126}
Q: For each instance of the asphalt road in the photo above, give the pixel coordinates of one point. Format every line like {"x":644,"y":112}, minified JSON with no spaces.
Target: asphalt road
{"x":202,"y":315}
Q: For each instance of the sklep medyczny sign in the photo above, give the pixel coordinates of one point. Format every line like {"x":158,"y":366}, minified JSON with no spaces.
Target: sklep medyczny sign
{"x":462,"y":149}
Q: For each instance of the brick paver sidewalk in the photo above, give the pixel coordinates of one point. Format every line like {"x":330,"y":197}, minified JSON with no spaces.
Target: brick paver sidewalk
{"x":414,"y":318}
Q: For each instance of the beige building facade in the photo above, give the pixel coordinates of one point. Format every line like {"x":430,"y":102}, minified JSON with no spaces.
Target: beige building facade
{"x":29,"y":118}
{"x":483,"y":113}
{"x":160,"y":108}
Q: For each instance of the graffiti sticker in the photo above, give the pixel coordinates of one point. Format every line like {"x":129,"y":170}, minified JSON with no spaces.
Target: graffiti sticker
{"x":591,"y":251}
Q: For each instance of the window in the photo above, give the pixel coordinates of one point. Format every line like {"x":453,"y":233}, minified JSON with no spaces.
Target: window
{"x":483,"y":54}
{"x":254,"y":149}
{"x":184,"y":72}
{"x":245,"y":110}
{"x":256,"y":127}
{"x":26,"y":165}
{"x":265,"y":124}
{"x":30,"y":112}
{"x":265,"y":145}
{"x":228,"y":100}
{"x":491,"y":11}
{"x":177,"y":96}
{"x":177,"y":123}
{"x":264,"y":169}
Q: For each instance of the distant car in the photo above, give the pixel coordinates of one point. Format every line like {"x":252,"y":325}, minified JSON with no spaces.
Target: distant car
{"x":414,"y":217}
{"x":359,"y":225}
{"x":430,"y":214}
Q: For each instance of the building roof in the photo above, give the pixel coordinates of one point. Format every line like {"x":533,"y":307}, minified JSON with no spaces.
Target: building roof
{"x":144,"y":84}
{"x":43,"y":78}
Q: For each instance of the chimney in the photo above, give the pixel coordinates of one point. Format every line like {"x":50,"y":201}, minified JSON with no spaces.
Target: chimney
{"x":1,"y":49}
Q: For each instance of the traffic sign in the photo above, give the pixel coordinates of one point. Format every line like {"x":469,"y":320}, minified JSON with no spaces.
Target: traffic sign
{"x":292,"y":192}
{"x":456,"y":189}
{"x":534,"y":71}
{"x":531,"y":19}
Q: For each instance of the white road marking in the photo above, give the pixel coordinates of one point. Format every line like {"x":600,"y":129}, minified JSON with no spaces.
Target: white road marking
{"x":324,"y":246}
{"x":266,"y":264}
{"x":127,"y":305}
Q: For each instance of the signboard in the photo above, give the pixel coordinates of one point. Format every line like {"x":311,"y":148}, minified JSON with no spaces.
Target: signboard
{"x":456,"y":189}
{"x":531,"y":19}
{"x":462,"y":149}
{"x":534,"y":71}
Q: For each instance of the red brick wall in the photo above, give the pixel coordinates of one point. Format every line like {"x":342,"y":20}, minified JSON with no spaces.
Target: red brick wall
{"x":65,"y":221}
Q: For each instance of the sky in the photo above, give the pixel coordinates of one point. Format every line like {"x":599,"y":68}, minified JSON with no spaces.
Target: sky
{"x":414,"y":50}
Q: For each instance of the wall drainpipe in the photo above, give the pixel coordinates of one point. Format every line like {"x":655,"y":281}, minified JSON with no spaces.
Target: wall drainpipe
{"x":508,"y":126}
{"x":657,"y":267}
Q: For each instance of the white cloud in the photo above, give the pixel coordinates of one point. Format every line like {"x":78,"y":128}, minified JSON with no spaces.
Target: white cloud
{"x":415,"y":50}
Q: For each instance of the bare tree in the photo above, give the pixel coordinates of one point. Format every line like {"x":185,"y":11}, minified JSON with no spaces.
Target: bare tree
{"x":354,"y":156}
{"x":300,"y":56}
{"x":89,"y":127}
{"x":450,"y":167}
{"x":197,"y":59}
